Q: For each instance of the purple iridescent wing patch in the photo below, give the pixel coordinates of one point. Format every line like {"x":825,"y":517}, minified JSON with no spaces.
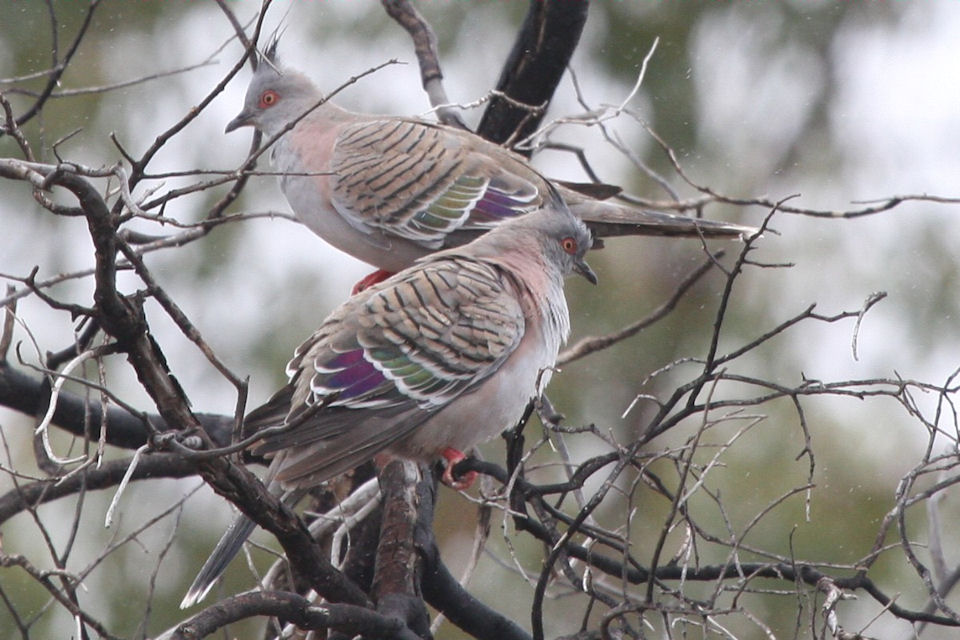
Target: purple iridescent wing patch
{"x":496,"y":206}
{"x":347,"y":374}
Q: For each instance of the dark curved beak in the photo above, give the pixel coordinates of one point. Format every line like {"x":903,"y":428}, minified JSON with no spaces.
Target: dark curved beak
{"x":580,"y":266}
{"x":243,"y":119}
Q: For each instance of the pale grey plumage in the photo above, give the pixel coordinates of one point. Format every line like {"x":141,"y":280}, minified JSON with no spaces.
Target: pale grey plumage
{"x":390,"y":190}
{"x":439,"y":357}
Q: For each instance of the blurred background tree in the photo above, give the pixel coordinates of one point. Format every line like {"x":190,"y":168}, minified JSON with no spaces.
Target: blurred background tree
{"x":835,"y":102}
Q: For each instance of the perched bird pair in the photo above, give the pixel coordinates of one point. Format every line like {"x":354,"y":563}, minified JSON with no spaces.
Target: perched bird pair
{"x":448,"y":352}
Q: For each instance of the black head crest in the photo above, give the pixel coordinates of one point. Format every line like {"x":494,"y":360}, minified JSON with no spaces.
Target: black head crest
{"x":270,"y":53}
{"x":556,"y":200}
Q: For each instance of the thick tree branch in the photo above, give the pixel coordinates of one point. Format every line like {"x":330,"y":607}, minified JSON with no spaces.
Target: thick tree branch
{"x":154,"y":465}
{"x":295,"y":609}
{"x":425,"y":47}
{"x":532,"y":71}
{"x":397,"y":574}
{"x":442,"y":591}
{"x":74,"y":414}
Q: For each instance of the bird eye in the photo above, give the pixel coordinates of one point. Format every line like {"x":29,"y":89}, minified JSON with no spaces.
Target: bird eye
{"x":569,"y":244}
{"x":268,"y":98}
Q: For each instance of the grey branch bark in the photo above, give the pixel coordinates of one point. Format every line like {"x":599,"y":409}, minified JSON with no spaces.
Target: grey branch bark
{"x":425,"y":47}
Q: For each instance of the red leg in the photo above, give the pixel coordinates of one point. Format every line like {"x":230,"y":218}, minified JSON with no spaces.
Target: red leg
{"x":368,"y":281}
{"x":452,"y":457}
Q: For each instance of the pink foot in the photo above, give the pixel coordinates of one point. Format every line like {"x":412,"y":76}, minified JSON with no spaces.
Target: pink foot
{"x":452,"y":457}
{"x":368,"y":281}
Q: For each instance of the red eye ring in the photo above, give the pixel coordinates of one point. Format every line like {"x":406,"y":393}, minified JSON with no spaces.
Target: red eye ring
{"x":268,"y":98}
{"x":569,"y":244}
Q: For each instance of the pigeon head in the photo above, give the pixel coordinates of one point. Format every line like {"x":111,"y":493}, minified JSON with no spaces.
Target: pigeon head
{"x":552,"y":232}
{"x":276,"y":96}
{"x":565,"y":240}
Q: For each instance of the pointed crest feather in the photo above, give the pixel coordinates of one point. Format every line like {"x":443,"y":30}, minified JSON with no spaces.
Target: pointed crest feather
{"x":270,"y":53}
{"x":556,"y":200}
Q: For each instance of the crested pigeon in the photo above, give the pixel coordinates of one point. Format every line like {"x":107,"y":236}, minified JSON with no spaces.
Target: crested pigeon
{"x":426,"y":364}
{"x":388,"y":190}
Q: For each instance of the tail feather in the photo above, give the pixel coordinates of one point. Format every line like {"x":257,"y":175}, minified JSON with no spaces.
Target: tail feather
{"x":607,"y":219}
{"x":231,"y":542}
{"x":225,"y":551}
{"x":595,"y":190}
{"x":271,"y":413}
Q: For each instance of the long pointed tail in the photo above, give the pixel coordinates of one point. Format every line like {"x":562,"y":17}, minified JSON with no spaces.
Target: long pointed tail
{"x":232,"y":541}
{"x":607,"y":219}
{"x":225,"y":551}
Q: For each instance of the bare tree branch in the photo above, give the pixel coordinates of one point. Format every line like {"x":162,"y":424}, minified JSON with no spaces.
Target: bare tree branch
{"x":425,"y":47}
{"x":60,"y":66}
{"x":532,"y":71}
{"x":298,"y":610}
{"x":633,"y":532}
